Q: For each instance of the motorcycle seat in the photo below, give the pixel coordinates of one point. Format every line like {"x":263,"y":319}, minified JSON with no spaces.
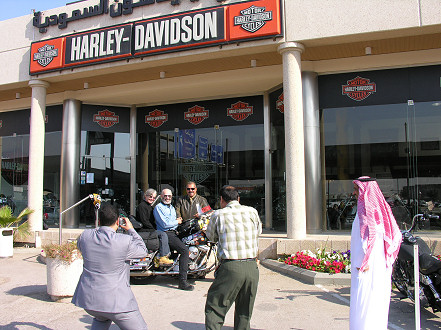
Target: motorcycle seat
{"x":429,"y":264}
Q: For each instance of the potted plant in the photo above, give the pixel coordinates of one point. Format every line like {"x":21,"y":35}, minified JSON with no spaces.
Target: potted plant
{"x":64,"y":265}
{"x":10,"y":227}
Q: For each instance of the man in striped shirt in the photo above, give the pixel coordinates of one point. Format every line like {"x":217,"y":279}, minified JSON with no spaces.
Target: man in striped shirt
{"x":236,"y":228}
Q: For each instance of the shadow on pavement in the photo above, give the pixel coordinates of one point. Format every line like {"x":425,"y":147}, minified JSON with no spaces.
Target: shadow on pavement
{"x":15,"y":326}
{"x":326,"y":296}
{"x":38,"y":292}
{"x":406,"y":308}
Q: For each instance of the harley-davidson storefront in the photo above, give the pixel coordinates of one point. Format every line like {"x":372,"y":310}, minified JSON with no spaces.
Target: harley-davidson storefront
{"x":114,"y":97}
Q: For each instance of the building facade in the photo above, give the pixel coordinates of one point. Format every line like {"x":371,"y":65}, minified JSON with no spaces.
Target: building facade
{"x":287,"y":100}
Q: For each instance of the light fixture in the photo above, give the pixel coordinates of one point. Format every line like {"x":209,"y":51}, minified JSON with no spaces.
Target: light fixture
{"x":162,"y":74}
{"x":253,"y":63}
{"x":368,"y":50}
{"x":86,"y":85}
{"x":17,"y":95}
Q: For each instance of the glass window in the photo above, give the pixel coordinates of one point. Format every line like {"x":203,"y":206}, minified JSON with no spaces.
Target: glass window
{"x":211,"y":157}
{"x":399,"y":144}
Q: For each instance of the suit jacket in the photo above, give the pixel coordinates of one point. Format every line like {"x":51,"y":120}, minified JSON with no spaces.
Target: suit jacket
{"x":104,"y":285}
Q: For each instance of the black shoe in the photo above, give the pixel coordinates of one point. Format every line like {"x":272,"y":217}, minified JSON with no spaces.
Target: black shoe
{"x":184,"y":285}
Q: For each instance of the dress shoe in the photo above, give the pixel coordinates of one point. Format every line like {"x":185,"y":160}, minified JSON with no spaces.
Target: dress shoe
{"x":184,"y":285}
{"x":164,"y":260}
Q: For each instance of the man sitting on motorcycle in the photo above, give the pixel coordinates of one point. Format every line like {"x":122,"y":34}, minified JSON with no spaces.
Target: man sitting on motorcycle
{"x":166,"y":221}
{"x":187,"y":206}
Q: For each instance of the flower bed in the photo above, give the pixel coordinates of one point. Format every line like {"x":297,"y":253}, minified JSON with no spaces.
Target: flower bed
{"x":326,"y":262}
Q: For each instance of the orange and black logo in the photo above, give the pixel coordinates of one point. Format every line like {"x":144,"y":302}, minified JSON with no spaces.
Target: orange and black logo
{"x":240,"y":111}
{"x":196,"y":114}
{"x":106,"y":118}
{"x":279,"y":104}
{"x":358,"y":88}
{"x":156,"y":118}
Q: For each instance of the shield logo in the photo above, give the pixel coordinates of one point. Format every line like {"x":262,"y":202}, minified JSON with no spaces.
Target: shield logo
{"x":156,"y":118}
{"x":240,"y":111}
{"x":45,"y":55}
{"x":358,"y":88}
{"x":196,"y":114}
{"x":279,"y":104}
{"x":106,"y":118}
{"x":253,"y":18}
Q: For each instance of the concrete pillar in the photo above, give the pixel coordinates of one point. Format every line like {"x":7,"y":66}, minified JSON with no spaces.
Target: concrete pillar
{"x":36,"y":153}
{"x":313,"y":179}
{"x":133,"y":187}
{"x":70,"y":163}
{"x":294,"y":140}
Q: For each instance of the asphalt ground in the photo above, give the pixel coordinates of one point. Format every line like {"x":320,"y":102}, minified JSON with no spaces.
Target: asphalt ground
{"x":282,"y":303}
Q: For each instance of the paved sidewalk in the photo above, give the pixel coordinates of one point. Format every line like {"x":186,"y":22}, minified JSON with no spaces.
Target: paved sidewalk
{"x":282,"y":303}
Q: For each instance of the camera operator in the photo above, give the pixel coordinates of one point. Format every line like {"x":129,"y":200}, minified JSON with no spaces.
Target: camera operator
{"x":104,"y":286}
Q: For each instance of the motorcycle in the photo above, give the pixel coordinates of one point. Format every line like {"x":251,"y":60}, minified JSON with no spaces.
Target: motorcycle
{"x":202,"y":253}
{"x":429,"y":268}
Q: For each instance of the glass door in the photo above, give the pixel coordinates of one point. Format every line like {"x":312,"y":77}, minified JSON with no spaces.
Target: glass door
{"x":104,"y":169}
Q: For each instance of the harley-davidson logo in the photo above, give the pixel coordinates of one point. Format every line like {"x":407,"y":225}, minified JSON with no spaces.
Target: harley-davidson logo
{"x":196,"y":114}
{"x":156,"y":118}
{"x":106,"y":118}
{"x":253,"y":18}
{"x":240,"y":111}
{"x":358,"y":88}
{"x":45,"y":54}
{"x":279,"y":104}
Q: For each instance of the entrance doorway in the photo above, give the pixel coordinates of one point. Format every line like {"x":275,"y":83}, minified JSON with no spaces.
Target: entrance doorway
{"x":210,"y":157}
{"x":105,"y":169}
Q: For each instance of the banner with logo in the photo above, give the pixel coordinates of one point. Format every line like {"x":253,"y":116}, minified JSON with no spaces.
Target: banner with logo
{"x":105,"y":119}
{"x":175,"y":32}
{"x":201,"y":114}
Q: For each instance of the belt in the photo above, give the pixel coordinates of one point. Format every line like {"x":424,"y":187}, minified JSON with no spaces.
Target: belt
{"x":247,"y":259}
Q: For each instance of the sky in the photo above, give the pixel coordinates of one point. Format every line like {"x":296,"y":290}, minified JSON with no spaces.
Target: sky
{"x":15,"y":8}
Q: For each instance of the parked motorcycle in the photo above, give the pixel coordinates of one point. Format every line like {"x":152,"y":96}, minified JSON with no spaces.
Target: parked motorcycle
{"x":202,"y":254}
{"x":429,"y":272}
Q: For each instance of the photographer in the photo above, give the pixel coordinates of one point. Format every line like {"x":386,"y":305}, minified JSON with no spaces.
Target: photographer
{"x":104,"y":286}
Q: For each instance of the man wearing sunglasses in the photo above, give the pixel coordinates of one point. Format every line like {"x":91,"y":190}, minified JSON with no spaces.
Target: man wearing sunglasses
{"x":166,"y":221}
{"x":191,"y":205}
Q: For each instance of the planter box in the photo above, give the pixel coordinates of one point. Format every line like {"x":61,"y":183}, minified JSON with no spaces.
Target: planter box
{"x":62,"y":277}
{"x":6,"y":242}
{"x":307,"y":276}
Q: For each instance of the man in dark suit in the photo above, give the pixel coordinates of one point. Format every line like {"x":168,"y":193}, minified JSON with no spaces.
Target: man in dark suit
{"x":104,"y":286}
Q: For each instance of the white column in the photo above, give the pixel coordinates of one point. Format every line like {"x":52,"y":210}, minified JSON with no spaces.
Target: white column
{"x":133,"y":136}
{"x":36,"y":153}
{"x":294,"y":140}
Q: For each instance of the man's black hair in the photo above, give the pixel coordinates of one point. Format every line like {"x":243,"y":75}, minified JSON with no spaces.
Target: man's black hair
{"x":108,"y":214}
{"x":229,"y":193}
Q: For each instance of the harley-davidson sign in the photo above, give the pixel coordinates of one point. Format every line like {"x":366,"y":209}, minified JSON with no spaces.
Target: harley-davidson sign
{"x":196,"y":115}
{"x":156,"y":118}
{"x":106,"y":118}
{"x":359,"y":88}
{"x":253,"y":18}
{"x":240,"y":111}
{"x":174,"y":32}
{"x":279,"y":104}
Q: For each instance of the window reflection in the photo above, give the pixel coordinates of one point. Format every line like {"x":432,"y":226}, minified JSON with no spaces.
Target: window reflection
{"x":399,"y":144}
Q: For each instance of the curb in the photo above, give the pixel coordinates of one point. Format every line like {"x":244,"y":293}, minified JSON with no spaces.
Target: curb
{"x":307,"y":276}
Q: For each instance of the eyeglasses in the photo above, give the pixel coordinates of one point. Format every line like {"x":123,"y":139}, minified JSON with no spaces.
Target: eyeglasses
{"x":191,"y":188}
{"x":151,"y":196}
{"x":167,"y":196}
